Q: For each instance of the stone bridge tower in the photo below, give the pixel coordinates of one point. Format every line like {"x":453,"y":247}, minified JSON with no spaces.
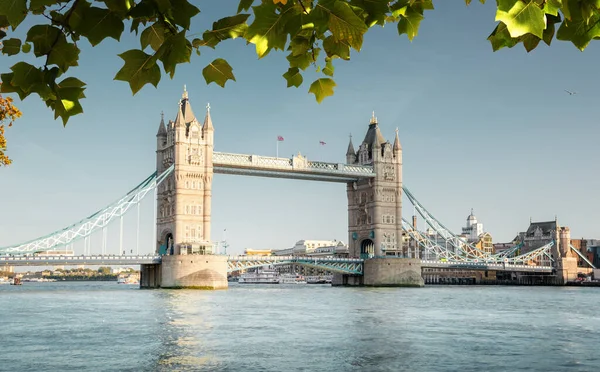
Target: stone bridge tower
{"x":184,"y":198}
{"x":375,"y":205}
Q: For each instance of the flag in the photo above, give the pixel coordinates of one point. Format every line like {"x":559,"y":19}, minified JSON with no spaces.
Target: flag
{"x":322,"y":142}
{"x":279,"y":138}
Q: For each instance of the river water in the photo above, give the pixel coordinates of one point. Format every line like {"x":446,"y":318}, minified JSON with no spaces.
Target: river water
{"x":91,"y":326}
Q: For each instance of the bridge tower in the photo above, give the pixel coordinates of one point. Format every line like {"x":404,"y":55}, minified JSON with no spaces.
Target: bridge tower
{"x":375,"y":205}
{"x":375,"y":215}
{"x":184,"y":205}
{"x":184,"y":198}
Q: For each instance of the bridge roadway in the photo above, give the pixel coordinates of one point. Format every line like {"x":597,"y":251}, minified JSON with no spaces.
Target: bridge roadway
{"x":337,"y":264}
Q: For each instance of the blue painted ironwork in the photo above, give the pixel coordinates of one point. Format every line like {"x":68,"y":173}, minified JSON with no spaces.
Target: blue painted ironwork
{"x":341,"y":265}
{"x":583,"y":257}
{"x":95,"y":222}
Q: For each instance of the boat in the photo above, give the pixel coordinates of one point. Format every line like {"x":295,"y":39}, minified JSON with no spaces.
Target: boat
{"x":129,"y":279}
{"x":4,"y":280}
{"x":16,"y":281}
{"x":291,"y":279}
{"x":320,"y":279}
{"x":261,"y":276}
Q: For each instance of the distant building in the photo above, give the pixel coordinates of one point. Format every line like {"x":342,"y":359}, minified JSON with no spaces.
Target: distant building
{"x":258,"y":252}
{"x":485,"y":244}
{"x":537,"y":235}
{"x":305,"y":247}
{"x":473,"y":229}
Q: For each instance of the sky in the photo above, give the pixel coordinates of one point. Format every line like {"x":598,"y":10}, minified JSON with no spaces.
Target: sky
{"x":492,"y":131}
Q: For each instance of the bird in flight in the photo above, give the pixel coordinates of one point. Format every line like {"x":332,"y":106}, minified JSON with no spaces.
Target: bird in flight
{"x":570,"y":93}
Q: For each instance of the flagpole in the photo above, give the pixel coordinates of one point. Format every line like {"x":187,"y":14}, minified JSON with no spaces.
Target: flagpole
{"x":277,"y":153}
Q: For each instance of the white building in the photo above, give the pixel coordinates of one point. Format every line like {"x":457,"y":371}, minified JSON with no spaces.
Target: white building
{"x":473,"y":230}
{"x":305,"y":247}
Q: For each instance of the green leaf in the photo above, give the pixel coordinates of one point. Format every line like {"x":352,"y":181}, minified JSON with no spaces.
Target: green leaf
{"x":501,"y":38}
{"x":329,"y":69}
{"x":218,"y":71}
{"x":77,"y":14}
{"x":299,"y":45}
{"x":144,"y":9}
{"x":43,"y":37}
{"x":154,"y":36}
{"x":7,"y":87}
{"x":322,"y":88}
{"x":552,"y":7}
{"x":120,"y":7}
{"x":334,"y":48}
{"x":293,"y":77}
{"x":63,"y":55}
{"x":530,"y":42}
{"x":244,"y":5}
{"x":344,"y":24}
{"x":68,"y":93}
{"x":376,"y":10}
{"x":26,"y":48}
{"x":550,"y":28}
{"x":14,"y":10}
{"x":268,"y":29}
{"x":302,"y":61}
{"x":175,"y":50}
{"x":409,"y":23}
{"x":99,"y":24}
{"x":226,"y":28}
{"x":139,"y":69}
{"x":521,"y":17}
{"x":182,"y":12}
{"x":11,"y":47}
{"x":579,"y":32}
{"x":25,"y":76}
{"x":39,"y":6}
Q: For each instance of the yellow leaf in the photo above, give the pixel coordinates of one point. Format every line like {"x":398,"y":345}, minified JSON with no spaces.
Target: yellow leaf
{"x":283,"y":2}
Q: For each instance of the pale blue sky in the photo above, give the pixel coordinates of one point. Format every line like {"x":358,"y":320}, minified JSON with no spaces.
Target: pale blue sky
{"x":491,"y":131}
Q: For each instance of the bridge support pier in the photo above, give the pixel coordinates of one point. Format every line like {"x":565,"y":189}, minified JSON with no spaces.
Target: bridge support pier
{"x":193,"y":271}
{"x":393,"y":272}
{"x":567,"y":270}
{"x":150,"y":275}
{"x":385,"y":272}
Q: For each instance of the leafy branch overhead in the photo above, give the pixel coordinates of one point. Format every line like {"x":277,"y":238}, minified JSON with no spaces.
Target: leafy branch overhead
{"x":312,"y":33}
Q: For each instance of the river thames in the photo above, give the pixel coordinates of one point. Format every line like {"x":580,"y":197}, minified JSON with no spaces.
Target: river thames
{"x":103,"y":326}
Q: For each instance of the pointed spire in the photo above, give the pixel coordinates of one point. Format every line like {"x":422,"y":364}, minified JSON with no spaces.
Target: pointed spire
{"x":350,"y":150}
{"x":397,"y":145}
{"x":373,"y":118}
{"x":377,"y":141}
{"x":185,"y":93}
{"x":179,"y":120}
{"x":162,"y":131}
{"x":207,"y":119}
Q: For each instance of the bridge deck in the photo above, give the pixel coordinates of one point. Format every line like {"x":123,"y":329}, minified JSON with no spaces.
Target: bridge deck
{"x":77,"y":260}
{"x":338,"y":264}
{"x":297,"y":167}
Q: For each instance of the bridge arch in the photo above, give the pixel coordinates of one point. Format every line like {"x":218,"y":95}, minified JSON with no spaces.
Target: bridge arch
{"x":367,"y":247}
{"x":165,"y":244}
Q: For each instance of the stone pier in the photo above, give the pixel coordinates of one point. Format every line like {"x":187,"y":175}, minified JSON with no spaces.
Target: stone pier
{"x":186,"y":271}
{"x":385,"y":272}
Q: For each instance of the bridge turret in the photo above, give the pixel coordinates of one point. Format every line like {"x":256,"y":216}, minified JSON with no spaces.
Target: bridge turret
{"x":350,"y":153}
{"x":161,"y":143}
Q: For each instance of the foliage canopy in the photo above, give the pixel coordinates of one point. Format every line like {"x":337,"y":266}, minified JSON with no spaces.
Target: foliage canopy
{"x":311,"y":32}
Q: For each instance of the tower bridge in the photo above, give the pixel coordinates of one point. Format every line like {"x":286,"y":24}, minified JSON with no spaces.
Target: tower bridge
{"x":184,"y":253}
